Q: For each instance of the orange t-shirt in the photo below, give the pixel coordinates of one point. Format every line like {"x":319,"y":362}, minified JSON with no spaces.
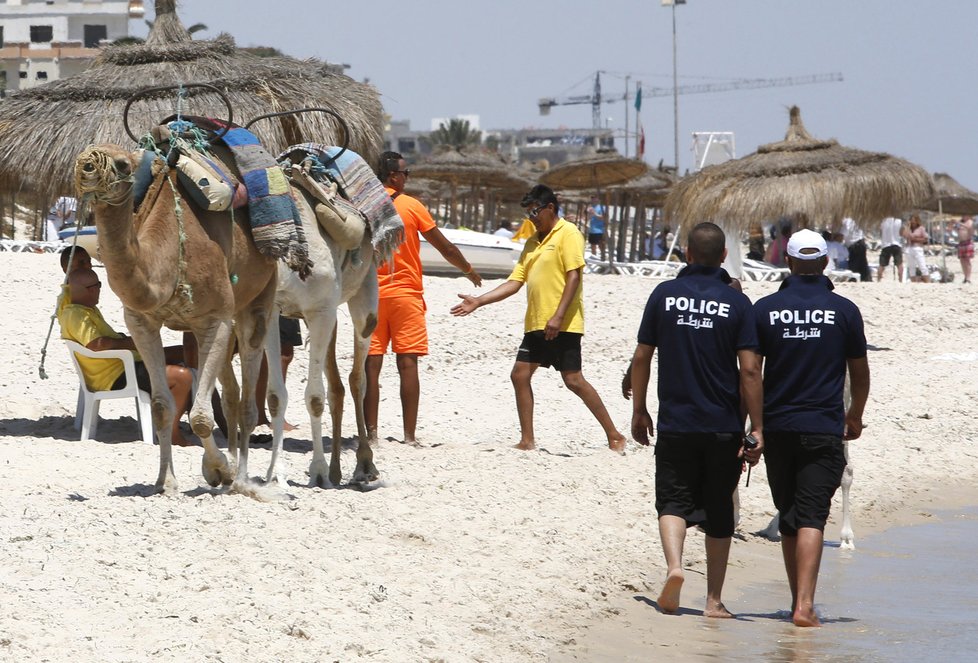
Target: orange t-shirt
{"x":401,"y":276}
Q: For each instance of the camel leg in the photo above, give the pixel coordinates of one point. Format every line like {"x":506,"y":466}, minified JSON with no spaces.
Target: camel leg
{"x":146,"y":336}
{"x":230,"y":403}
{"x":213,"y":341}
{"x":363,"y":311}
{"x":846,"y":536}
{"x":251,"y":327}
{"x":335,"y":395}
{"x":321,"y":324}
{"x":276,"y":400}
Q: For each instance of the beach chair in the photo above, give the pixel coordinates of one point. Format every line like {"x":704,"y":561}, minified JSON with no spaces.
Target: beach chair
{"x":758,"y":270}
{"x":86,"y":411}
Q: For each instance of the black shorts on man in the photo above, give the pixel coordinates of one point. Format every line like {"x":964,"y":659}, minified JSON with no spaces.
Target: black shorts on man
{"x":563,"y":352}
{"x":892,"y":251}
{"x":142,"y":379}
{"x":804,"y":471}
{"x":288,"y":331}
{"x":595,"y":238}
{"x":695,"y":477}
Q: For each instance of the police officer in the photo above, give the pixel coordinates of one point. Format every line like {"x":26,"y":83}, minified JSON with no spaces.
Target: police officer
{"x":702,"y":328}
{"x":809,"y":337}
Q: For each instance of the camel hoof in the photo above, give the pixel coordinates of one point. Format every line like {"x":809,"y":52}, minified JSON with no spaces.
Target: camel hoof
{"x":216,"y":471}
{"x":847,"y":544}
{"x":366,"y":472}
{"x":276,"y":479}
{"x":319,"y":475}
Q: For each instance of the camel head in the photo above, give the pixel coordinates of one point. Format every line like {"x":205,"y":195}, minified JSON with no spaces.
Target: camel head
{"x":104,"y":174}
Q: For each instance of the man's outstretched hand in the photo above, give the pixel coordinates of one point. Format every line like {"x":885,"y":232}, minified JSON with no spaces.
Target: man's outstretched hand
{"x":468,"y":304}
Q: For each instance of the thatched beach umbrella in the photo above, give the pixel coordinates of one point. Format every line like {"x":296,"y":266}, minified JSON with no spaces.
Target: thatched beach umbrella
{"x":951,"y":197}
{"x":42,"y":130}
{"x":649,"y":190}
{"x":474,"y":168}
{"x":594,"y":172}
{"x":800,"y":175}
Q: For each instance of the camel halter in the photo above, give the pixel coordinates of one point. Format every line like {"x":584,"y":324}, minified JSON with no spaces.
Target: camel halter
{"x":106,"y":176}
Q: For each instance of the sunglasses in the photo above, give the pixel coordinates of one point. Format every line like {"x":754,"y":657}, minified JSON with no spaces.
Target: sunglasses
{"x":533,"y":212}
{"x":406,"y":171}
{"x":97,"y":284}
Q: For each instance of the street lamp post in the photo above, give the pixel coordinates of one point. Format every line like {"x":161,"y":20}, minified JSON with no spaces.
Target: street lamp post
{"x":675,"y":83}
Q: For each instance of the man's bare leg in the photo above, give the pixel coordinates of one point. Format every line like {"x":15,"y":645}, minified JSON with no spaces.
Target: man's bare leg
{"x":371,"y":399}
{"x":717,"y":553}
{"x":672,"y":532}
{"x":407,"y":368}
{"x":808,"y":558}
{"x":521,"y":375}
{"x":576,"y":383}
{"x":180,"y":381}
{"x":789,"y":551}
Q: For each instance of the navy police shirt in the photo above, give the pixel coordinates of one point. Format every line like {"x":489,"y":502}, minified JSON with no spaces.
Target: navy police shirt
{"x":807,"y":332}
{"x":698,"y":323}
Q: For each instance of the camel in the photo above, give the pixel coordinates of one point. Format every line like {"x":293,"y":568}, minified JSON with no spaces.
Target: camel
{"x":336,"y":278}
{"x":174,"y":264}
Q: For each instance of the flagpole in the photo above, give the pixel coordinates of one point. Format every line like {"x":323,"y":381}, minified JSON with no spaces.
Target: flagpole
{"x":638,"y":109}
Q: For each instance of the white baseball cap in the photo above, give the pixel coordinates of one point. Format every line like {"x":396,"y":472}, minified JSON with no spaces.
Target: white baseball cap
{"x":806,"y":245}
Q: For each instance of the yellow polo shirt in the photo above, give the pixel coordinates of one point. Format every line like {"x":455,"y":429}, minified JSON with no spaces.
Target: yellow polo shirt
{"x":543,"y":267}
{"x":84,"y":324}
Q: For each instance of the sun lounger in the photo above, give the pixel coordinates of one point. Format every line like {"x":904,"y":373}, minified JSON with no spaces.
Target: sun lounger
{"x":758,"y":270}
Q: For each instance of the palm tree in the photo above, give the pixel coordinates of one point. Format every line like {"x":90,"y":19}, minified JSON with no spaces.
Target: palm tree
{"x":457,"y":133}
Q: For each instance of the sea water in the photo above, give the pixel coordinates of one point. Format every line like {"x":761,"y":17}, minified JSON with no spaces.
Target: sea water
{"x":907,"y":594}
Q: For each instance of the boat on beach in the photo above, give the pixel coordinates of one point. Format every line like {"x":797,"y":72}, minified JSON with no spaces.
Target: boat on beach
{"x":491,"y":255}
{"x":87,"y":238}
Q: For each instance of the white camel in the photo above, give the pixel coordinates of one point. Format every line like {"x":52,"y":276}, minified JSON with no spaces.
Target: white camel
{"x":338,"y":276}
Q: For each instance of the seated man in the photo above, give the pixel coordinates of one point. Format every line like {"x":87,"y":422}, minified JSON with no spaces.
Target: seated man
{"x":82,"y":322}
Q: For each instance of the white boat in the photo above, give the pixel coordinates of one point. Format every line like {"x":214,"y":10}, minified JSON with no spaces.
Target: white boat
{"x":491,"y":255}
{"x":87,"y":238}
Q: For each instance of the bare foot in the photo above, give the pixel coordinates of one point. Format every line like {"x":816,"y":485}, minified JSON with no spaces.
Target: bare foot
{"x":669,"y":598}
{"x":716,"y":610}
{"x":411,"y":443}
{"x":525,"y":446}
{"x":288,"y":427}
{"x":617,"y":443}
{"x":803,"y":617}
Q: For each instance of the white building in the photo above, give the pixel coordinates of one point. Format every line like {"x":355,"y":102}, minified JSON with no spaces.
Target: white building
{"x":44,"y":40}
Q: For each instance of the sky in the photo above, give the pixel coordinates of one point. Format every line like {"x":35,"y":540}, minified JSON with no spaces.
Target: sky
{"x":910,"y":87}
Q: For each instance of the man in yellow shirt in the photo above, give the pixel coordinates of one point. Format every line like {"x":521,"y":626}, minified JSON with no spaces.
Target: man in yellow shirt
{"x":550,"y":266}
{"x":82,"y":322}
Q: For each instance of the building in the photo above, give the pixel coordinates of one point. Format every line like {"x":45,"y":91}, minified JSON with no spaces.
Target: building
{"x":519,"y":145}
{"x":44,"y":40}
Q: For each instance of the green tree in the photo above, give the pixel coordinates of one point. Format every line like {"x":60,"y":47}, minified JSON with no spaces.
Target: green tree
{"x":457,"y":133}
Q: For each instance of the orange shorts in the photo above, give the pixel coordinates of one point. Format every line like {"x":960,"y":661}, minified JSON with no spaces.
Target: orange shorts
{"x":400,"y":323}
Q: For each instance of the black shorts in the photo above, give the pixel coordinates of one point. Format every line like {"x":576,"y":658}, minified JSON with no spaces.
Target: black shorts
{"x":695,"y":477}
{"x":288,"y":331}
{"x":142,"y":379}
{"x":563,"y":353}
{"x":891,"y":251}
{"x":804,"y":471}
{"x":595,"y":238}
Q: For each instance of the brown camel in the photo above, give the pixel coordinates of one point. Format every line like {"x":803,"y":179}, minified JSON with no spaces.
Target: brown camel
{"x":174,"y":264}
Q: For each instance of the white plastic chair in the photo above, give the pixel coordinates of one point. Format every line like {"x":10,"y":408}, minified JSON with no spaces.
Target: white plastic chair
{"x":86,"y":416}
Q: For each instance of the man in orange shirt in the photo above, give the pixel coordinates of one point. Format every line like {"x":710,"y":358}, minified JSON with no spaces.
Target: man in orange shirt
{"x":401,"y":308}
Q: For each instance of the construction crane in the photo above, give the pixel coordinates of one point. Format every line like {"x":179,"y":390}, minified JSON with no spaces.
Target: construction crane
{"x":595,"y":98}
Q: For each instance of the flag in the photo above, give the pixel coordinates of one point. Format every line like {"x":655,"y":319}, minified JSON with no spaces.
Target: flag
{"x":641,"y":142}
{"x":638,"y":98}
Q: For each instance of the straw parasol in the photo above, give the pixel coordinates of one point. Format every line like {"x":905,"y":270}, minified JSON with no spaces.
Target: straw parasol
{"x":650,"y":189}
{"x":951,"y":197}
{"x":801,"y":175}
{"x":42,"y":130}
{"x":594,"y":172}
{"x":471,"y":168}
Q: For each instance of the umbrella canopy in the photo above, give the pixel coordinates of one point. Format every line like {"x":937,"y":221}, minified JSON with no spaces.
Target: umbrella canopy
{"x":649,"y":189}
{"x":43,"y":129}
{"x":594,"y":172}
{"x":951,"y":197}
{"x":470,"y":168}
{"x":801,"y":176}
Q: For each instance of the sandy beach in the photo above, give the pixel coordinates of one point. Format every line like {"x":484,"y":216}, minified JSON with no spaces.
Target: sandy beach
{"x":468,"y":550}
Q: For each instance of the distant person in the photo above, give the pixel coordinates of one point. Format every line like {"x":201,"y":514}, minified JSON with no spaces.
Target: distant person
{"x":775,"y":252}
{"x":505,"y":229}
{"x":838,"y":253}
{"x":755,"y":242}
{"x":855,"y":241}
{"x":805,"y":421}
{"x":61,"y":214}
{"x":966,"y":246}
{"x":551,"y":266}
{"x":82,"y":322}
{"x":596,"y":214}
{"x":709,"y":375}
{"x":401,"y":309}
{"x":916,"y":236}
{"x":891,"y":242}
